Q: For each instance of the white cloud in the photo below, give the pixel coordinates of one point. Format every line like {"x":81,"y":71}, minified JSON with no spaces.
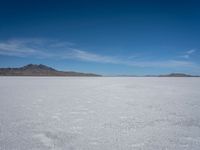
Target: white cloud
{"x":91,"y":57}
{"x":19,"y":47}
{"x":191,"y":51}
{"x":164,"y":63}
{"x":12,"y":46}
{"x":32,"y":47}
{"x":44,"y":48}
{"x":87,"y":56}
{"x":188,"y":54}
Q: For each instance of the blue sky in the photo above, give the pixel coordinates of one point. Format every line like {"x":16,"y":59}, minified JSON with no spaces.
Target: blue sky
{"x":106,"y":37}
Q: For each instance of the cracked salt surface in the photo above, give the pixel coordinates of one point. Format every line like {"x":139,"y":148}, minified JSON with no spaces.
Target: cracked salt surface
{"x":99,"y":113}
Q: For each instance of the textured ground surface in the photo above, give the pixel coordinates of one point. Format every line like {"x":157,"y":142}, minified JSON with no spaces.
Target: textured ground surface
{"x":42,"y":113}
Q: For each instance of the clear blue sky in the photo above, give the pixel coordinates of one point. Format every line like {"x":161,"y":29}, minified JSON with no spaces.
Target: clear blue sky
{"x":107,"y":37}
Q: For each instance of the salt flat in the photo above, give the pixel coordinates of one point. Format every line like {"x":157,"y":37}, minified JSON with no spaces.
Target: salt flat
{"x":99,"y":113}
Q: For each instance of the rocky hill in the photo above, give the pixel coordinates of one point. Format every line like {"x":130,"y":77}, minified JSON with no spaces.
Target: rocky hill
{"x":176,"y":75}
{"x":39,"y":70}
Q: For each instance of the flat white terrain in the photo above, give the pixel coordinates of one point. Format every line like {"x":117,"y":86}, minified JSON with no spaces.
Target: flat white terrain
{"x":99,"y":113}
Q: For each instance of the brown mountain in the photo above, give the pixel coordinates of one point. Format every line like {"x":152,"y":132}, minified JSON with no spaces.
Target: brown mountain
{"x":177,"y":75}
{"x":39,"y":70}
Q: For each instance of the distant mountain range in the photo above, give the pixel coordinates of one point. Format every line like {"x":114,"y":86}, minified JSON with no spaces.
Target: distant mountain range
{"x":164,"y":75}
{"x":39,"y":70}
{"x":177,"y":75}
{"x":42,"y":70}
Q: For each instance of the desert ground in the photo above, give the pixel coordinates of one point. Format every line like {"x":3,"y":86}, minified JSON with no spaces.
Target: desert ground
{"x":99,"y":113}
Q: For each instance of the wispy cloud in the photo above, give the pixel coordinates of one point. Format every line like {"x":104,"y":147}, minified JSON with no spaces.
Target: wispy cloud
{"x":164,"y":63}
{"x":87,"y":56}
{"x":186,"y":56}
{"x":92,"y":57}
{"x":16,"y":48}
{"x":43,"y":48}
{"x":36,"y":47}
{"x":188,"y":53}
{"x":191,"y":51}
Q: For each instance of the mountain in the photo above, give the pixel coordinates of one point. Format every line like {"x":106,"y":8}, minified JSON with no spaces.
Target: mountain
{"x":39,"y":70}
{"x":42,"y":70}
{"x":177,"y":75}
{"x":165,"y":75}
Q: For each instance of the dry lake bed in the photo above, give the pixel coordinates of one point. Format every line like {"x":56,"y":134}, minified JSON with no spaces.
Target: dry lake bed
{"x":99,"y":113}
